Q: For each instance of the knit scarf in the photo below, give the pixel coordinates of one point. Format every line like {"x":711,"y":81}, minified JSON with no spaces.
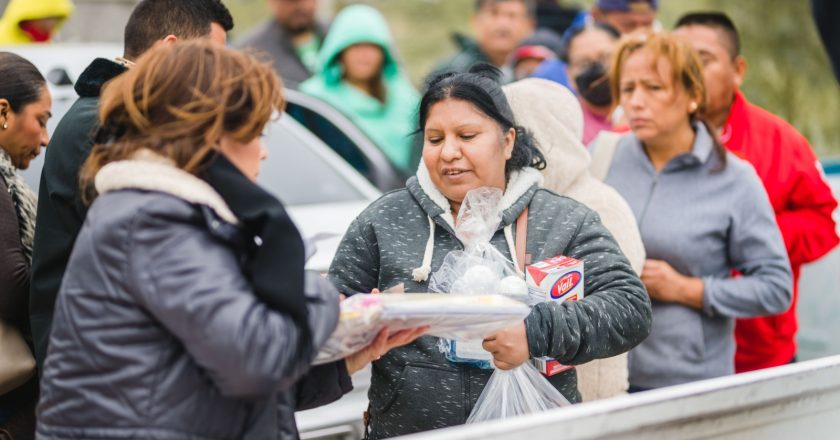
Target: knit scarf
{"x":25,"y":202}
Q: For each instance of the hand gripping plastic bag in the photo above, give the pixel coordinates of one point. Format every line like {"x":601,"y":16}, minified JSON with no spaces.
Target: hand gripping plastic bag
{"x":509,"y":393}
{"x":478,"y":269}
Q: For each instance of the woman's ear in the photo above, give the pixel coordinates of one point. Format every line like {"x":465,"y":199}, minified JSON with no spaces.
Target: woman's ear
{"x":5,"y":108}
{"x":510,"y":140}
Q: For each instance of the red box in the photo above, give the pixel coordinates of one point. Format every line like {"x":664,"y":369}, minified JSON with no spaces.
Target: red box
{"x":555,"y":279}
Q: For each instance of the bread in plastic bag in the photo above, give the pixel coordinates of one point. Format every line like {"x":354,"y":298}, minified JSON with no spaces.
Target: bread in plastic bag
{"x":509,"y":393}
{"x":478,"y":269}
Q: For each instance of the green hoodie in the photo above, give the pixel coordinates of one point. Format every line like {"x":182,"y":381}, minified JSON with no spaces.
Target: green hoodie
{"x":23,"y":10}
{"x":388,"y":124}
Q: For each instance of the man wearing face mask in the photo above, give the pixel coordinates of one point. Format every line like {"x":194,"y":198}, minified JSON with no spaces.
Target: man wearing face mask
{"x":587,"y":53}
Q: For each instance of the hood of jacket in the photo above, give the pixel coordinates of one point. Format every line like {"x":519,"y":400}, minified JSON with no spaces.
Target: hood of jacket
{"x":553,"y":115}
{"x":95,"y":75}
{"x":356,"y":24}
{"x":390,"y":123}
{"x":23,"y":10}
{"x":521,"y":187}
{"x":148,"y":171}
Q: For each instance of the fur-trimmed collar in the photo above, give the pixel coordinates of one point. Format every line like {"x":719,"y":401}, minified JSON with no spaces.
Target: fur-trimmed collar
{"x":100,"y":71}
{"x":149,"y":171}
{"x":519,"y":183}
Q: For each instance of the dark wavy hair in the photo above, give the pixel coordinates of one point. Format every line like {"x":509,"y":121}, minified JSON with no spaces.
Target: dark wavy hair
{"x":482,"y":88}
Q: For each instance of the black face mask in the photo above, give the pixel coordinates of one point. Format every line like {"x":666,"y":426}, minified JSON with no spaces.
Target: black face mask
{"x":594,"y":86}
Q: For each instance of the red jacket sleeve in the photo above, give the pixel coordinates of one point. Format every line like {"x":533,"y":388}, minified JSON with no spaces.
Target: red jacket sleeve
{"x":806,"y":221}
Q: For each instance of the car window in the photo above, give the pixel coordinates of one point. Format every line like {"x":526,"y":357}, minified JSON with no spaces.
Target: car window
{"x":297,"y":174}
{"x":294,"y":171}
{"x":331,"y":135}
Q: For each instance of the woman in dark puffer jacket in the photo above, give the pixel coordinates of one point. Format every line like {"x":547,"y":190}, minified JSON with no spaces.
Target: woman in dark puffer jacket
{"x":165,"y":326}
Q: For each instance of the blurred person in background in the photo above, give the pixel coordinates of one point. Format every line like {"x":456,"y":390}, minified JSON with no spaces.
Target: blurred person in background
{"x":555,"y":15}
{"x":25,"y":105}
{"x":626,"y":16}
{"x":552,"y":113}
{"x":826,"y":15}
{"x":292,"y":37}
{"x":702,"y":213}
{"x":588,"y":51}
{"x":542,"y":45}
{"x":622,"y":16}
{"x":499,"y":26}
{"x":793,"y":178}
{"x":359,"y":74}
{"x":152,"y":23}
{"x":194,"y":343}
{"x":33,"y":21}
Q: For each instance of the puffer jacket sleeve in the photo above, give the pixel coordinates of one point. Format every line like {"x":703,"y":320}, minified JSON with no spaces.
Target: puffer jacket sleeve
{"x":613,"y":317}
{"x":322,"y":385}
{"x":355,"y":267}
{"x":192,"y":284}
{"x":326,"y":383}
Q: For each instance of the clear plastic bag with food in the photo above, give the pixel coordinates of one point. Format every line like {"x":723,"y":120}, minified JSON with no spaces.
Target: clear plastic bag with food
{"x":479,"y":269}
{"x":509,"y":393}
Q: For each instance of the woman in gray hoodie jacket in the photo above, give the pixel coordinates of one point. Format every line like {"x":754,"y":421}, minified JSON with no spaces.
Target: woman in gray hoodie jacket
{"x":470,"y":141}
{"x":702,"y":214}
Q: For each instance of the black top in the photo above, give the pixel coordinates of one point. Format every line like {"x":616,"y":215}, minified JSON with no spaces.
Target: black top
{"x":60,"y":208}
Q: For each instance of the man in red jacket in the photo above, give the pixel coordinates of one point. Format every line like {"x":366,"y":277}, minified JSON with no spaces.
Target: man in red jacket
{"x":784,"y":161}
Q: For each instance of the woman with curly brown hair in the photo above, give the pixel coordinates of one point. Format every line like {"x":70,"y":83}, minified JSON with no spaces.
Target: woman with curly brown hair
{"x":167,"y":324}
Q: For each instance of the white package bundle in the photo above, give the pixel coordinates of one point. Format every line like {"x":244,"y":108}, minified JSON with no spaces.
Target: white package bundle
{"x":448,"y":316}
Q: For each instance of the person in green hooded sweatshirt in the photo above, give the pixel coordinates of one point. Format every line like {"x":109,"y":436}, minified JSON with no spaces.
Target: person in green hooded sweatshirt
{"x":33,"y":21}
{"x":359,"y":75}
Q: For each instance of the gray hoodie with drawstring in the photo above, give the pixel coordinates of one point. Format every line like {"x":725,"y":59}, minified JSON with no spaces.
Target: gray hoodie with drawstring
{"x":404,"y":236}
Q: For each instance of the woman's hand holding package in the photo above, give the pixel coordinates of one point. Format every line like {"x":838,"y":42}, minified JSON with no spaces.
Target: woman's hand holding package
{"x":509,"y":347}
{"x":665,"y":284}
{"x":383,"y":343}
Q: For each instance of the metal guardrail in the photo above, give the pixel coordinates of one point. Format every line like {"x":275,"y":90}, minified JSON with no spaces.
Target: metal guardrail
{"x":794,"y":401}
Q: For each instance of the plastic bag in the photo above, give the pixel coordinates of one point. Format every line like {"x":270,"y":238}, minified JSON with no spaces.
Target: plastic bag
{"x":479,"y":269}
{"x":448,"y":316}
{"x":509,"y":393}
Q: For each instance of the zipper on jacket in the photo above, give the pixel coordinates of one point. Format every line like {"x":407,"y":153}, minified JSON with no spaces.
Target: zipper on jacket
{"x":647,"y":202}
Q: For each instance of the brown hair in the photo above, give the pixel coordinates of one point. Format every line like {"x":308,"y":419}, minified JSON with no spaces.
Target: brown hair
{"x":686,"y":69}
{"x":178,"y":101}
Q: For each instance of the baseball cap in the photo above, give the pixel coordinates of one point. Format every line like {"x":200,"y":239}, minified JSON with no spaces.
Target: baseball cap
{"x":627,"y":5}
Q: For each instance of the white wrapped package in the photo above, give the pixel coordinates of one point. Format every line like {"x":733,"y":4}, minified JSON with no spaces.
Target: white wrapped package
{"x":459,"y":317}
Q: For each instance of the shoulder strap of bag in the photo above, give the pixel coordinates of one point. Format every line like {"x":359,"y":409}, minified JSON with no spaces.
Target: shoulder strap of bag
{"x":521,"y":238}
{"x":603,"y":149}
